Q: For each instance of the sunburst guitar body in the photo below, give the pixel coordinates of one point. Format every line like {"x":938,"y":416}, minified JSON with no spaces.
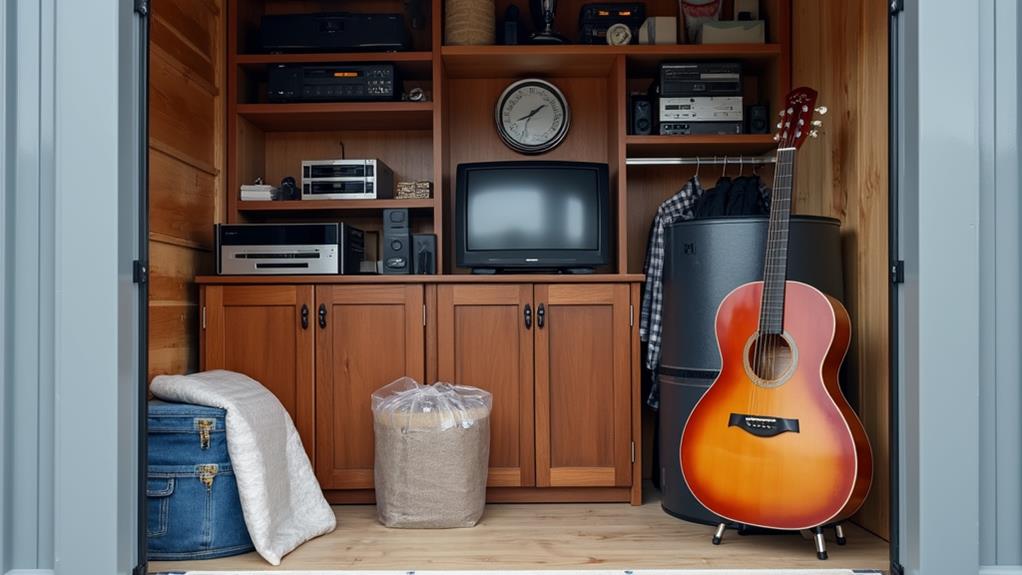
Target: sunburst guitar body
{"x":780,"y":448}
{"x":773,"y":442}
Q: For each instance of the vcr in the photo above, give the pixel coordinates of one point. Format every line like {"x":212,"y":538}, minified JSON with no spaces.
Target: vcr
{"x":332,"y":82}
{"x":276,"y":249}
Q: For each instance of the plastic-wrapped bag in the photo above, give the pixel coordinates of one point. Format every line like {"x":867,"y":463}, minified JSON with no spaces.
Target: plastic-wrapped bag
{"x":432,"y":454}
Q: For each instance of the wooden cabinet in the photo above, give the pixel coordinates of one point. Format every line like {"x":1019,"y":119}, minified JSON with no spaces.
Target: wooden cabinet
{"x":559,"y":358}
{"x":258,"y":330}
{"x":484,"y":340}
{"x":369,"y":335}
{"x":583,"y":385}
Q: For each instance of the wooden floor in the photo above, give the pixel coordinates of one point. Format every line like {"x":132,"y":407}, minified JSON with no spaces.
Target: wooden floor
{"x":561,"y":536}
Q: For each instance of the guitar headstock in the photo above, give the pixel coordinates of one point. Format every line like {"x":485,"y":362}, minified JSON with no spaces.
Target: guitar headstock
{"x":797,"y":123}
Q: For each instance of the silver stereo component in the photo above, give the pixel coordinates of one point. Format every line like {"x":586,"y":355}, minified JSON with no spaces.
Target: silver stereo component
{"x":346,"y":180}
{"x":701,"y":109}
{"x":278,"y":249}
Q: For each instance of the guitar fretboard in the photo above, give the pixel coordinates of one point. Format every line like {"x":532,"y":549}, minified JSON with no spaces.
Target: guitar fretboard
{"x":775,"y":268}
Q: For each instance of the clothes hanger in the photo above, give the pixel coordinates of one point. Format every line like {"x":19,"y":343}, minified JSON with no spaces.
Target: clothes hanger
{"x":723,"y":169}
{"x":698,"y":163}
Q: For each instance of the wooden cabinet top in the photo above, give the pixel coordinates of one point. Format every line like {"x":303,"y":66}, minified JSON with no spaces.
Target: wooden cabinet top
{"x":425,"y":279}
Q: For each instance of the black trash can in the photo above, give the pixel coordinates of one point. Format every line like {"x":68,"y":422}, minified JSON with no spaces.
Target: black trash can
{"x":704,"y":261}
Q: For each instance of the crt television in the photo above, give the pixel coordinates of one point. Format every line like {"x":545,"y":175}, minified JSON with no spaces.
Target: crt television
{"x":532,"y":215}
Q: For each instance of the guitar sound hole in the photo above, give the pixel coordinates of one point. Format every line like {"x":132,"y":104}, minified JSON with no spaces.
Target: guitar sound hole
{"x":770,"y":357}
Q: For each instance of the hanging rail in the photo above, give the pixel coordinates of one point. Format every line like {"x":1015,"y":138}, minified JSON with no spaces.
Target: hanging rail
{"x":699,"y":160}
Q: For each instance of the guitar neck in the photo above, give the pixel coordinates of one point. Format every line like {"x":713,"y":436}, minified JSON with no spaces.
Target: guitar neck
{"x":775,"y":269}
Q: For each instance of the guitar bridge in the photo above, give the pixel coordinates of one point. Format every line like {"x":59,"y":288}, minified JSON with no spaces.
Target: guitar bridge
{"x":761,"y":425}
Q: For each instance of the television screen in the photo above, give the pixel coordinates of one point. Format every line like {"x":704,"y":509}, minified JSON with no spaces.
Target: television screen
{"x":532,"y":214}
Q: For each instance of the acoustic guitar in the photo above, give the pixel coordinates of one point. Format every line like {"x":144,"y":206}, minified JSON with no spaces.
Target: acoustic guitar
{"x":773,"y":442}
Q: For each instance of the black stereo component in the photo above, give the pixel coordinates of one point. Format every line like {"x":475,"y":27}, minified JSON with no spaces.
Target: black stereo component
{"x":332,"y":82}
{"x":642,"y":116}
{"x":397,"y":242}
{"x":423,"y":254}
{"x":334,"y":32}
{"x":758,"y":120}
{"x":595,"y":19}
{"x":678,"y":79}
{"x":696,"y":128}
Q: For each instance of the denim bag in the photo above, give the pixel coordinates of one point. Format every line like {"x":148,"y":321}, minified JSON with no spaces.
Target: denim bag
{"x":193,"y":507}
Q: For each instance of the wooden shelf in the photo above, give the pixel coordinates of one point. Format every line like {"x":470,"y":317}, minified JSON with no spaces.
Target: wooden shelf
{"x":413,"y":65}
{"x":672,"y":146}
{"x":333,"y":205}
{"x":581,"y":60}
{"x":339,"y":116}
{"x":434,"y":279}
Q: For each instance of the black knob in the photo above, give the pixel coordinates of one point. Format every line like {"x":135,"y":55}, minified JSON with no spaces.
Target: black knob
{"x":540,"y":314}
{"x":305,"y":316}
{"x":528,"y":316}
{"x":322,"y":315}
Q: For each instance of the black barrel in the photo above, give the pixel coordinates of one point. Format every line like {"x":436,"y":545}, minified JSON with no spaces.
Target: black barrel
{"x":704,"y":261}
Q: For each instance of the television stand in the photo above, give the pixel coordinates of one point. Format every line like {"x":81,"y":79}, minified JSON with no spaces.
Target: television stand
{"x":569,"y":271}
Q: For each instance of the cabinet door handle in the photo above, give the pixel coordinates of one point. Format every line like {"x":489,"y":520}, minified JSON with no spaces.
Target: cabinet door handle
{"x":305,"y":316}
{"x":322,"y":315}
{"x":540,"y":315}
{"x":528,"y":316}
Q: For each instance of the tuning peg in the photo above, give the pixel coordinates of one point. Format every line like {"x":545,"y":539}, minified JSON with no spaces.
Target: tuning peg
{"x":779,"y":125}
{"x":780,"y":114}
{"x":814,"y":133}
{"x":821,"y":110}
{"x":777,"y":137}
{"x":817,"y":123}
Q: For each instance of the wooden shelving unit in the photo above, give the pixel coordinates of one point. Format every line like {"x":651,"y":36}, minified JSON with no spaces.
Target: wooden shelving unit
{"x":668,"y":146}
{"x":333,"y":205}
{"x":427,"y":140}
{"x":585,"y":60}
{"x":338,"y":116}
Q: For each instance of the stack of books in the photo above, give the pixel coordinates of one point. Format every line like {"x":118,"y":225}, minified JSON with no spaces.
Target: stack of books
{"x":256,"y":193}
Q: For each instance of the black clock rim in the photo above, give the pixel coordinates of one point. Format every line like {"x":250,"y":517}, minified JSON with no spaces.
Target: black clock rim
{"x":540,"y":148}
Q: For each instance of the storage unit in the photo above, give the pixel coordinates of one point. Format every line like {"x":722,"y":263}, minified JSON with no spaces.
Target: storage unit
{"x":569,"y":422}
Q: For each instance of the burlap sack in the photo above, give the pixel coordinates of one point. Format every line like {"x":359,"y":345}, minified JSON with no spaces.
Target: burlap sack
{"x":432,"y":454}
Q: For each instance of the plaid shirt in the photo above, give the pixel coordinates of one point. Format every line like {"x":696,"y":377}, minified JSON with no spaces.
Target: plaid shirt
{"x":678,"y":207}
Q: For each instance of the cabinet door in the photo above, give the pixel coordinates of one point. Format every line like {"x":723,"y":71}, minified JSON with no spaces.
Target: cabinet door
{"x":483,"y":341}
{"x":583,"y":364}
{"x":258,"y":331}
{"x":369,"y":336}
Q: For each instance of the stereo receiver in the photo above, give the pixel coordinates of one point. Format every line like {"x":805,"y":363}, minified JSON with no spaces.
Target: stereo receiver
{"x":332,"y":82}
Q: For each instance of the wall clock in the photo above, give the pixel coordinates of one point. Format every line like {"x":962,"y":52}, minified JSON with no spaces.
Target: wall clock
{"x":532,"y":116}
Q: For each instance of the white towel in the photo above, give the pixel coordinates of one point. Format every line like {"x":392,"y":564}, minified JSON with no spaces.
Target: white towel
{"x":280,"y":497}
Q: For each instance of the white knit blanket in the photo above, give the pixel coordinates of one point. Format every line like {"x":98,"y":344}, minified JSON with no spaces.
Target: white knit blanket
{"x":280,"y":497}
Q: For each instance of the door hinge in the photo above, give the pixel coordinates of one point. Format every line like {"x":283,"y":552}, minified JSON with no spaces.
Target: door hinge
{"x":631,"y":315}
{"x":423,"y":315}
{"x":898,"y":272}
{"x":139,"y":272}
{"x":203,"y":317}
{"x":896,"y":6}
{"x":142,"y":7}
{"x":633,"y":452}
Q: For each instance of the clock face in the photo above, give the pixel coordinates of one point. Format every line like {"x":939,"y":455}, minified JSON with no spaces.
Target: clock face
{"x":532,"y":116}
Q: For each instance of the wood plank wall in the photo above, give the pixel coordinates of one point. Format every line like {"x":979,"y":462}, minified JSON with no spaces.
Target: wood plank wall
{"x":840,"y":48}
{"x":186,"y":158}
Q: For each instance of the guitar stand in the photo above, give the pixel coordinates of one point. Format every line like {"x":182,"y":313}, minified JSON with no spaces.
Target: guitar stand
{"x":818,"y":538}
